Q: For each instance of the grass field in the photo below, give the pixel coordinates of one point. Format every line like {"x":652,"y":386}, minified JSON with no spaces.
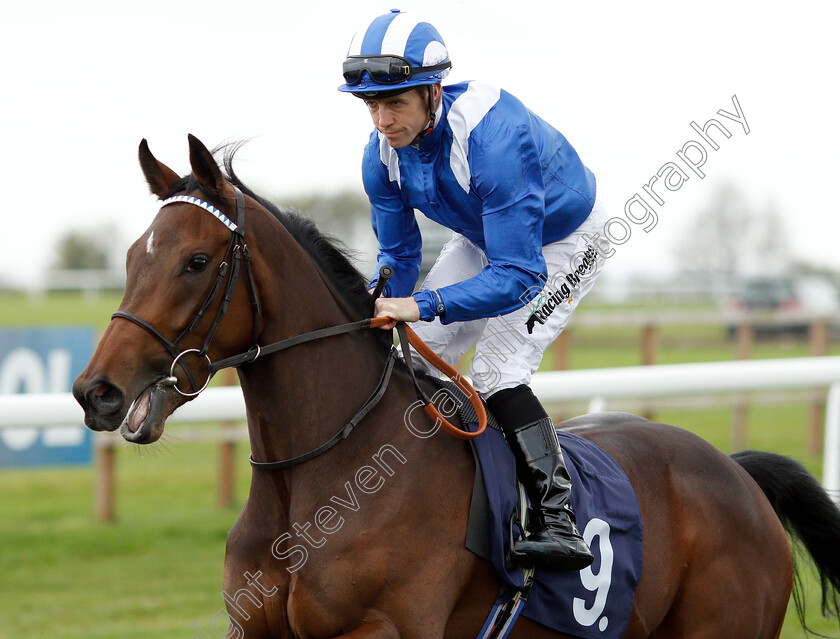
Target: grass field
{"x":157,"y":571}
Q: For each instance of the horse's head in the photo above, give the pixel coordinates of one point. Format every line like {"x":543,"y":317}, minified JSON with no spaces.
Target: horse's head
{"x":182,"y":306}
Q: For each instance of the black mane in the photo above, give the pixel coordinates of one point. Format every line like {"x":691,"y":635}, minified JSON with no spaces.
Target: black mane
{"x":329,"y":253}
{"x":334,"y":258}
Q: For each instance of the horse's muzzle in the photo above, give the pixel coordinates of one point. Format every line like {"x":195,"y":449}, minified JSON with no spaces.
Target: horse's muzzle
{"x":102,"y":402}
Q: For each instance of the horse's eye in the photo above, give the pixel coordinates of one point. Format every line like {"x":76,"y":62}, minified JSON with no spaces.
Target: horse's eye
{"x":198,"y":263}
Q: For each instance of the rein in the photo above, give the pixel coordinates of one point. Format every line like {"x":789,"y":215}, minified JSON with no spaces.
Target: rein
{"x":237,"y":254}
{"x":407,"y":336}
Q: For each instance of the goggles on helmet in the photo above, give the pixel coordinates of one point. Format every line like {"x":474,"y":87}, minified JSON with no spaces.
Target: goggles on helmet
{"x":384,"y":69}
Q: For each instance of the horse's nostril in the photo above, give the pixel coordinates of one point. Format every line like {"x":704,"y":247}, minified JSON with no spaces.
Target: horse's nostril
{"x":105,"y":398}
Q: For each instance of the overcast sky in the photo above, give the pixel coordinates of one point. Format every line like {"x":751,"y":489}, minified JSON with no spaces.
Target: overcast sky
{"x":83,"y":82}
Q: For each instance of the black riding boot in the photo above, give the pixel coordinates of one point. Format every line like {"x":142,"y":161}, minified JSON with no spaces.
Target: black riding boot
{"x":542,"y":470}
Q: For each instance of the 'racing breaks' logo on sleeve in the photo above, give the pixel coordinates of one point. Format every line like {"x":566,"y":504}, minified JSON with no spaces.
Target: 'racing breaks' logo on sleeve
{"x":544,"y":305}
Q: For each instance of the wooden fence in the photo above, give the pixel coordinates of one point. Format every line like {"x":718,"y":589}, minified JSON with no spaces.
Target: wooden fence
{"x":743,"y":326}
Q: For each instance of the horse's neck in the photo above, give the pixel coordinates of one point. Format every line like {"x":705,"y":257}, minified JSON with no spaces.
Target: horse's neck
{"x":298,"y":398}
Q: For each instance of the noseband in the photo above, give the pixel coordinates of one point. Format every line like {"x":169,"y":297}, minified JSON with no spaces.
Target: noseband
{"x":236,"y":259}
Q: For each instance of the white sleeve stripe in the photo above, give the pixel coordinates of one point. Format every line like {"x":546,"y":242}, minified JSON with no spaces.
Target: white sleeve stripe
{"x":464,"y":115}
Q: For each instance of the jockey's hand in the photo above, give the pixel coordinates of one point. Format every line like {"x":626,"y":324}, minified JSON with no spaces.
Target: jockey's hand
{"x":403,"y":309}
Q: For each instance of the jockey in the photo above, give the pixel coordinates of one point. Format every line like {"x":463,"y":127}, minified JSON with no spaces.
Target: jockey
{"x":525,"y":249}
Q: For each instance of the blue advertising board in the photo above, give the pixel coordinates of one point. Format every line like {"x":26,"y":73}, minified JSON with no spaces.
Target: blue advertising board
{"x":44,"y":360}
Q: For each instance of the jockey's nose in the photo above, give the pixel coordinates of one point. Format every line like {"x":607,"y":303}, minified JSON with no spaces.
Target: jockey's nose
{"x":98,"y":396}
{"x":385,"y":117}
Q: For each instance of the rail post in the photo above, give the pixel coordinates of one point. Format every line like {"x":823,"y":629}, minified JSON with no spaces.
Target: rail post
{"x":831,"y":458}
{"x":650,"y":348}
{"x":560,"y":350}
{"x":743,"y":350}
{"x":227,"y":452}
{"x":104,"y":488}
{"x":819,"y":347}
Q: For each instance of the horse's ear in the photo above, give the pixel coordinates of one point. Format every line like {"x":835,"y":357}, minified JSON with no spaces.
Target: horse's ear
{"x":159,"y":176}
{"x":205,"y":169}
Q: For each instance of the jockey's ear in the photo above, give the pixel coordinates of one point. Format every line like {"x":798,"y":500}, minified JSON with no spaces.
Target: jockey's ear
{"x":206,"y":171}
{"x":159,"y":176}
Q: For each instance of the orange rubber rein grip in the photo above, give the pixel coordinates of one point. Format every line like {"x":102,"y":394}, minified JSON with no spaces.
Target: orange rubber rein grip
{"x":429,"y":355}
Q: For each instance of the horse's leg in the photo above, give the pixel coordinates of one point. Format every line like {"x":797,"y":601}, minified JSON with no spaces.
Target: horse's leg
{"x":475,"y":602}
{"x":730,"y":610}
{"x":255,"y":587}
{"x":375,"y":625}
{"x":649,"y":467}
{"x":738,"y":574}
{"x":716,"y":559}
{"x":255,"y":603}
{"x":414,"y":608}
{"x":388,"y":622}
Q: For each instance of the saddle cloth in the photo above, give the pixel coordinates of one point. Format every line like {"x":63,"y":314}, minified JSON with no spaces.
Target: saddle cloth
{"x":596,"y":602}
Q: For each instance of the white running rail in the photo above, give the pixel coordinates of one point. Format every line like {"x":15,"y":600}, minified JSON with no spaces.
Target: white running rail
{"x":597,"y":386}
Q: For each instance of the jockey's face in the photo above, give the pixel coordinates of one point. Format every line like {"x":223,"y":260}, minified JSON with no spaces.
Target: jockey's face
{"x":402,"y":117}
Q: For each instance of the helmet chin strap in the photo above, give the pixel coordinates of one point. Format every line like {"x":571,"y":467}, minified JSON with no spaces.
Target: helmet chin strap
{"x":431,"y":94}
{"x":432,"y":116}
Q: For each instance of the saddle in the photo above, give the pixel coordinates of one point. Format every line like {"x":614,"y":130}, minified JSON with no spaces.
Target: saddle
{"x":594,"y":603}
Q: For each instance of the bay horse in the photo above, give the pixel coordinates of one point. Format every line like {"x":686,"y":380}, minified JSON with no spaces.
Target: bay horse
{"x":391,"y":561}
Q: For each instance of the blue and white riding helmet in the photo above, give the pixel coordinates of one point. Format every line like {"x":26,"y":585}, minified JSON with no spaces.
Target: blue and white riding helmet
{"x":396,"y":52}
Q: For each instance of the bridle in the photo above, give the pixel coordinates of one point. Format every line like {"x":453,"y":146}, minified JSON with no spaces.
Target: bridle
{"x":237,"y":254}
{"x":237,"y":258}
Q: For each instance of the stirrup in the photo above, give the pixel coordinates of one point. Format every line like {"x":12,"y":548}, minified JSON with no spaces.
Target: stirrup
{"x":514,"y":558}
{"x":521,"y":517}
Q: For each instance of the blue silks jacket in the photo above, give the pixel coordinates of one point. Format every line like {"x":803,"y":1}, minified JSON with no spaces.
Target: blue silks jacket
{"x":492,"y":171}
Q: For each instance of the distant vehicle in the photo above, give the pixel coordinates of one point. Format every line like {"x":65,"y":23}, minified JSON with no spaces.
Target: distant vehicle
{"x":786,"y":305}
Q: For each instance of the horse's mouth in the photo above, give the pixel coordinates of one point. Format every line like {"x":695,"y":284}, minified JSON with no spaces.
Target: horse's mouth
{"x":145,"y":419}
